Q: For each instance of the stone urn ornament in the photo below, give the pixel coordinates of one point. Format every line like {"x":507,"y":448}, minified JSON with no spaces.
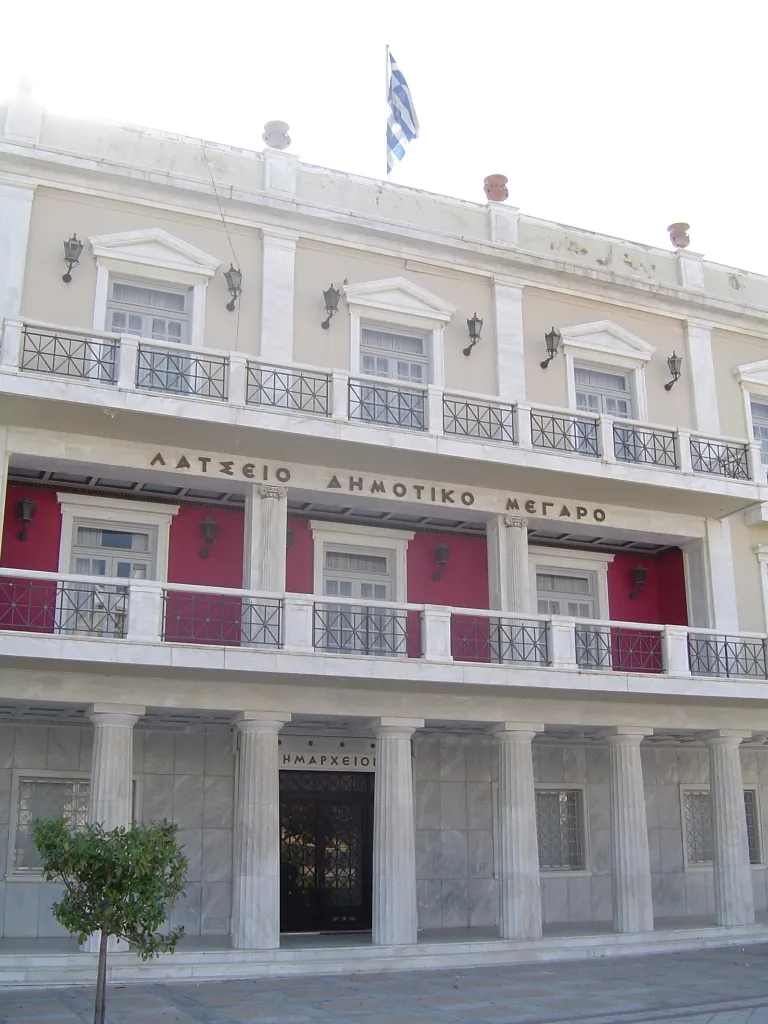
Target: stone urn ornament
{"x":276,"y":135}
{"x":496,"y":189}
{"x":678,"y":235}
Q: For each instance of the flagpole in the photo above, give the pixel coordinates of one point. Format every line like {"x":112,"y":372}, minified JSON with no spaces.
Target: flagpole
{"x":386,"y":100}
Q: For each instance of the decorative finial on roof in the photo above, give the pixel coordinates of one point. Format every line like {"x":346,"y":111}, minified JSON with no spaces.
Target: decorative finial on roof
{"x":276,"y":135}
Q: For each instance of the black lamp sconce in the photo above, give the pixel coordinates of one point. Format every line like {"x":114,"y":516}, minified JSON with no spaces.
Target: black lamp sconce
{"x":553,"y":339}
{"x":234,"y":279}
{"x":288,"y":539}
{"x":674,"y":363}
{"x":331,"y":298}
{"x":73,"y":247}
{"x":26,"y":509}
{"x":442,"y":553}
{"x":208,"y":529}
{"x":474,"y":326}
{"x":639,"y":575}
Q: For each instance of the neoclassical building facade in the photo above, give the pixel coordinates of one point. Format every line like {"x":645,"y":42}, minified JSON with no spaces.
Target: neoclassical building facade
{"x":409,"y":553}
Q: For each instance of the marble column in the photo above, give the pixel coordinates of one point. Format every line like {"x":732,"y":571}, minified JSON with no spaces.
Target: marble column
{"x":520,"y":897}
{"x":508,"y":566}
{"x":265,"y":530}
{"x":256,"y":860}
{"x":632,"y":899}
{"x":734,"y":902}
{"x":394,"y":840}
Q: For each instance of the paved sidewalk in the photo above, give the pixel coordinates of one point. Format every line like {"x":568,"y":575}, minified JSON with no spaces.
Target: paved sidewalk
{"x":727,"y":986}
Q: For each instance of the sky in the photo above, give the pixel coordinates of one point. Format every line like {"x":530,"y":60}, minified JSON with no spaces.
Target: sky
{"x":615,"y":117}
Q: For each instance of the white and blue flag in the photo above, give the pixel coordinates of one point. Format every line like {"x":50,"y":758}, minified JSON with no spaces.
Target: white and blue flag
{"x":402,"y":124}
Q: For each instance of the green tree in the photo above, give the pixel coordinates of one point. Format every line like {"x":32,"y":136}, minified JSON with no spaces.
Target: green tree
{"x":119,"y":881}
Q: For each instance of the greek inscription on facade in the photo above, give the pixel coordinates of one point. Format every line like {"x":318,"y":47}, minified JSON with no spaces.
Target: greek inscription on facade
{"x":224,"y":467}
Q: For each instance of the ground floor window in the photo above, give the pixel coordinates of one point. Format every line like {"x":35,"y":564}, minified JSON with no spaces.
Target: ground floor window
{"x":46,"y":798}
{"x":697,"y":826}
{"x":560,"y":829}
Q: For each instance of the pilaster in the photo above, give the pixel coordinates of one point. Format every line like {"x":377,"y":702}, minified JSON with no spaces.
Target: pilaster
{"x":520,"y":897}
{"x":266,"y":518}
{"x":394,"y":841}
{"x":701,"y":371}
{"x":15,"y":215}
{"x":256,"y":855}
{"x":277,"y":287}
{"x":734,"y":901}
{"x":510,"y":353}
{"x":722,"y":578}
{"x":508,"y":565}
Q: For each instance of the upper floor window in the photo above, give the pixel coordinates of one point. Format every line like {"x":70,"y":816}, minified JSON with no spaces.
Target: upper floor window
{"x":566,"y":593}
{"x":760,"y":426}
{"x":357,"y":574}
{"x":108,"y":551}
{"x":151,"y":312}
{"x":604,"y":390}
{"x":396,"y":356}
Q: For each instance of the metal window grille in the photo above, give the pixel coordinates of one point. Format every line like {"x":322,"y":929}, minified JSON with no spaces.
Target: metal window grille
{"x":217,"y":619}
{"x":560,"y":830}
{"x":179,"y":373}
{"x":574,"y":434}
{"x":711,"y":655}
{"x":697,"y":810}
{"x":387,"y":404}
{"x":299,"y":391}
{"x":720,"y":458}
{"x":46,"y":798}
{"x":650,"y":447}
{"x":66,"y":355}
{"x":502,"y":641}
{"x":618,"y":649}
{"x":489,"y":421}
{"x":753,"y":830}
{"x":348,"y":629}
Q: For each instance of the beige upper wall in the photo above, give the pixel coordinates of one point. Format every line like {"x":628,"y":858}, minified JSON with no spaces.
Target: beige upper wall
{"x":318,"y":266}
{"x":746,"y":567}
{"x":730,"y":351}
{"x":543,"y":310}
{"x":56,"y":215}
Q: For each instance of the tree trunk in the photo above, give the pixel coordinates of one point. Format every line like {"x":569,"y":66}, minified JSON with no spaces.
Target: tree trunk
{"x":100,"y":1009}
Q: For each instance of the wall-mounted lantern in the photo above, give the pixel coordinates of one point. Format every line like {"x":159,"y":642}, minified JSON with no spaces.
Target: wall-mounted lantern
{"x":73,"y":247}
{"x":25,"y":510}
{"x":208,"y":530}
{"x":639,"y":575}
{"x":442,"y":553}
{"x":674,"y":363}
{"x":552,"y":339}
{"x":331,"y":298}
{"x":234,"y":279}
{"x":474,"y":327}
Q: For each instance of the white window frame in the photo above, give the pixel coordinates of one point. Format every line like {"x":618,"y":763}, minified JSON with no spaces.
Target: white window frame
{"x":125,"y":515}
{"x":607,"y":345}
{"x":708,"y":866}
{"x":155,"y":257}
{"x":47,"y":774}
{"x":371,"y":538}
{"x":562,"y":787}
{"x":753,"y":378}
{"x":559,"y":558}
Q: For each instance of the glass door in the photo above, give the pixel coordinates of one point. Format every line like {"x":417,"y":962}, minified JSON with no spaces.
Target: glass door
{"x":572,"y":594}
{"x":364,"y":577}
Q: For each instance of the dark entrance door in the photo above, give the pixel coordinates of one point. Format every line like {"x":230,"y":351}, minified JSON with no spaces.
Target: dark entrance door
{"x":326,"y":844}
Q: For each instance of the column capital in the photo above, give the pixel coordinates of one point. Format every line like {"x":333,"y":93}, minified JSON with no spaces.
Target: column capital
{"x":626,"y":735}
{"x":271,"y":491}
{"x":509,"y":732}
{"x":115,"y":714}
{"x":516,"y":522}
{"x":261,"y":721}
{"x":404,"y":727}
{"x":725,"y":737}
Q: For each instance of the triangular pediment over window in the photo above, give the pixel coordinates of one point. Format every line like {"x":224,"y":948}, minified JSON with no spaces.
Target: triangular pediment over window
{"x":154,"y":247}
{"x":755,"y":373}
{"x":398,"y":295}
{"x":606,"y":338}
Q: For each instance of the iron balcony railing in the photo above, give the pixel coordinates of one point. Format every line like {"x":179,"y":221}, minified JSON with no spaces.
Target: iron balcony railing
{"x":720,"y":458}
{"x":712,"y":654}
{"x":618,"y":648}
{"x":366,"y":629}
{"x":232,"y":620}
{"x":389,"y":404}
{"x":499,"y":640}
{"x":487,"y":421}
{"x":72,"y":607}
{"x":296,"y":390}
{"x":564,"y":432}
{"x":67,"y":354}
{"x":648,"y":445}
{"x":179,"y":372}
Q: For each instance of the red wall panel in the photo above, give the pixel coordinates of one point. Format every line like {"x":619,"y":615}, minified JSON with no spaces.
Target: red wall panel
{"x":662,"y":599}
{"x":299,"y":565}
{"x":464,"y":581}
{"x":224,"y":565}
{"x":40,"y":551}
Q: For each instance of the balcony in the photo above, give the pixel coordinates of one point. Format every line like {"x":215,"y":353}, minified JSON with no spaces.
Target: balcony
{"x":151,"y":624}
{"x":140,"y":369}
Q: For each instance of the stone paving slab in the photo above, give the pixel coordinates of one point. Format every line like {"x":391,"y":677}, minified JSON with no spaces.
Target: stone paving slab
{"x":724,"y":986}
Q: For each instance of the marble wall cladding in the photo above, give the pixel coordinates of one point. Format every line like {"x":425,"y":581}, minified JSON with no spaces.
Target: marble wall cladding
{"x":187,"y":777}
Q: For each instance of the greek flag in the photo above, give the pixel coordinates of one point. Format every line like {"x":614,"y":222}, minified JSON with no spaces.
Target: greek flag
{"x":402,"y":124}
